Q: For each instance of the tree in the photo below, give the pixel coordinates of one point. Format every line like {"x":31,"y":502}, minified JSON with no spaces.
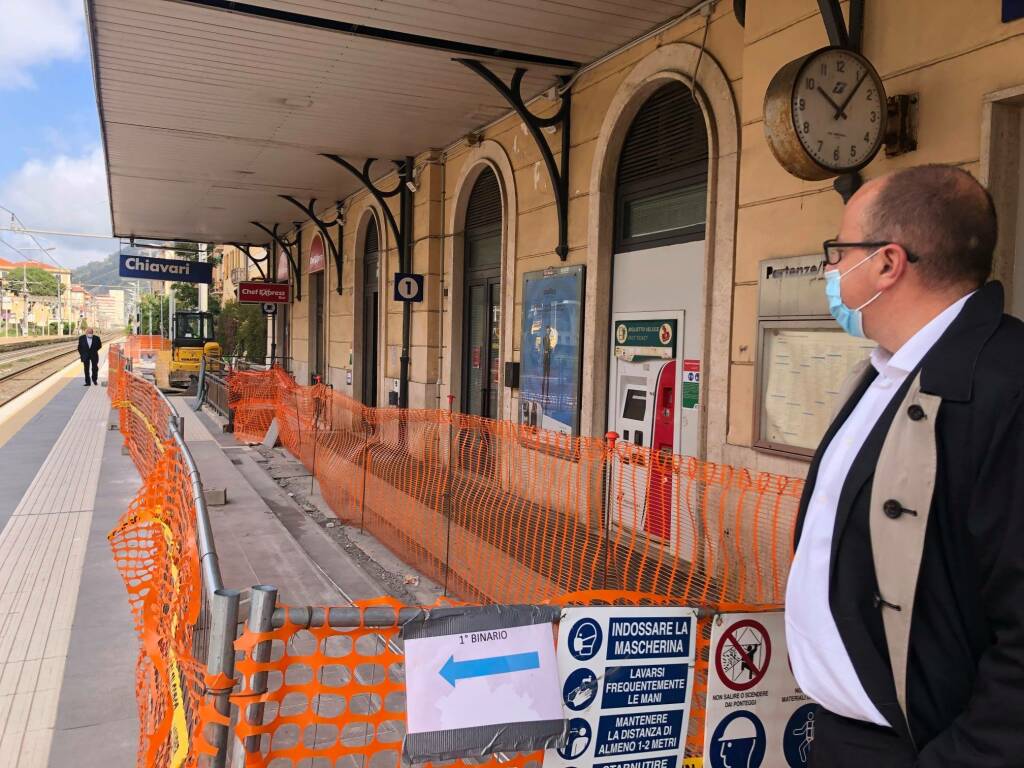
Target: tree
{"x":242,"y":331}
{"x":40,"y":281}
{"x":186,"y":296}
{"x":153,"y":306}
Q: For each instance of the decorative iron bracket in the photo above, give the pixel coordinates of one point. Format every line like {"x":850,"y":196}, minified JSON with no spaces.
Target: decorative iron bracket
{"x":835,"y":25}
{"x":324,"y":227}
{"x":559,"y":174}
{"x":380,"y":195}
{"x":286,"y":246}
{"x":258,"y":263}
{"x":838,"y":34}
{"x":402,"y":231}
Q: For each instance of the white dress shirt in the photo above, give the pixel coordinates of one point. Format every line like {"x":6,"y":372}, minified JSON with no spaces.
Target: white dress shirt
{"x":821,"y":665}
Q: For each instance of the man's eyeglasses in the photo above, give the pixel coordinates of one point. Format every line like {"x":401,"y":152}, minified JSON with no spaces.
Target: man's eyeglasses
{"x":834,"y":249}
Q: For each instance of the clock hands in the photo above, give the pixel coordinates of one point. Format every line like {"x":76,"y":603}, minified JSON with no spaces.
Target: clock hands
{"x":842,"y":109}
{"x":836,"y":107}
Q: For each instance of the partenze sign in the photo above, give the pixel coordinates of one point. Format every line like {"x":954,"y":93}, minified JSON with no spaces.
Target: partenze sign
{"x":149,"y":268}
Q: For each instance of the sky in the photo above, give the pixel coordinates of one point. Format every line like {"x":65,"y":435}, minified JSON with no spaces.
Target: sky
{"x":52,"y":171}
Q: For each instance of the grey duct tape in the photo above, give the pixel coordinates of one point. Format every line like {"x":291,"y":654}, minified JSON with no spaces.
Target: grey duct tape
{"x":484,"y":740}
{"x":479,"y":741}
{"x":437,"y":622}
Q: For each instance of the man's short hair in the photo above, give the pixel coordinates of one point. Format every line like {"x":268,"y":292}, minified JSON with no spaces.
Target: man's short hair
{"x":942,"y":215}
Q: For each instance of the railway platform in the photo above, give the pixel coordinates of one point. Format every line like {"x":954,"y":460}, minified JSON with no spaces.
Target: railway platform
{"x":68,"y":645}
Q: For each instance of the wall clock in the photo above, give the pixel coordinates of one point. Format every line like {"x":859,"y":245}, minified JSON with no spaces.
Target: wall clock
{"x":824,"y":114}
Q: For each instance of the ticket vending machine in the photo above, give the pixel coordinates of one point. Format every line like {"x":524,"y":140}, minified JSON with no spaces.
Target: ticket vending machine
{"x":647,"y":381}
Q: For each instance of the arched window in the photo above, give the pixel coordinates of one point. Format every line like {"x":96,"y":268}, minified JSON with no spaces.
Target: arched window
{"x":661,"y":191}
{"x":371,"y":313}
{"x":482,"y":291}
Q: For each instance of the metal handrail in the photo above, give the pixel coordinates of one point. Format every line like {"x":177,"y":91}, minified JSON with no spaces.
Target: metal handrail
{"x":208,"y":560}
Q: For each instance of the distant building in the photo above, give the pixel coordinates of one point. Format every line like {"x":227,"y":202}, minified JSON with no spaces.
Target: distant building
{"x":83,"y":307}
{"x":110,"y":309}
{"x":234,"y":268}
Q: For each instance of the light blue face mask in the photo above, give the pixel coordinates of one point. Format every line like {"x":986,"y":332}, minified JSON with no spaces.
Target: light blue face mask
{"x":850,"y":320}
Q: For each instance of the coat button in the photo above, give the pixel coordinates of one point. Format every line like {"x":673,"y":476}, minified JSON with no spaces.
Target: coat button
{"x":915,"y":412}
{"x":892,"y":509}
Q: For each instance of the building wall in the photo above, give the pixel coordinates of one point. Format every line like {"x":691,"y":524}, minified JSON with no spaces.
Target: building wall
{"x":953,"y":55}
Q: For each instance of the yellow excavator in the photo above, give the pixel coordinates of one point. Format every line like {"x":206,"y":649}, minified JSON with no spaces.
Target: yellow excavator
{"x":193,"y":338}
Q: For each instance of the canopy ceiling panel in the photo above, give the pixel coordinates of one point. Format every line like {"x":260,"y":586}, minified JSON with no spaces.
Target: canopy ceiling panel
{"x":209,"y":114}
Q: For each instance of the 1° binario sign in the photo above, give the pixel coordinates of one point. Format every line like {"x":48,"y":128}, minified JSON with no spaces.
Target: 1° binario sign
{"x":627,"y":676}
{"x":176,"y":270}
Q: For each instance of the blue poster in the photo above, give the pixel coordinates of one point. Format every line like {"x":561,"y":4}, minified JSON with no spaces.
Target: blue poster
{"x":549,"y":379}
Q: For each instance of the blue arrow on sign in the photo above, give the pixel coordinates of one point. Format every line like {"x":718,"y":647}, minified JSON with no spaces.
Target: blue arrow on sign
{"x":453,"y":670}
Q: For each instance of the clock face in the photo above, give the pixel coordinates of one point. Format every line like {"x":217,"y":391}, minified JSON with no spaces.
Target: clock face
{"x":839,"y":109}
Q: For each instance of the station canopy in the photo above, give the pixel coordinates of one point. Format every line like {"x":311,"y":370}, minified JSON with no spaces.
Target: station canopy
{"x":212,"y":109}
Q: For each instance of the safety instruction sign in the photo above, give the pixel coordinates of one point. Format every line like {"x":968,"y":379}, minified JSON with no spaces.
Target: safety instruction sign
{"x":756,"y":714}
{"x":691,"y":383}
{"x":627,"y":679}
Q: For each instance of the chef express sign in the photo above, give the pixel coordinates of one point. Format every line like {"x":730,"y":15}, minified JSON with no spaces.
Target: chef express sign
{"x":264,"y":293}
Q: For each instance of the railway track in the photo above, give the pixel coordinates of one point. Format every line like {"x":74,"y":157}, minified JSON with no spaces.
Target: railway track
{"x":30,"y":366}
{"x":11,"y":358}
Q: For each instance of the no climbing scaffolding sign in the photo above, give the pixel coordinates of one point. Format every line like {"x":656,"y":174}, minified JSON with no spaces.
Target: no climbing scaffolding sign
{"x":756,"y":715}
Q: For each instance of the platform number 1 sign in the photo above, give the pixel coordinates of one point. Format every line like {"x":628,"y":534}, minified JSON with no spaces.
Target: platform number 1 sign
{"x":408,"y":286}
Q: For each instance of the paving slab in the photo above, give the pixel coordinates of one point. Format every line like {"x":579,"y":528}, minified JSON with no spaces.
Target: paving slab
{"x":97,"y":720}
{"x":253,"y":546}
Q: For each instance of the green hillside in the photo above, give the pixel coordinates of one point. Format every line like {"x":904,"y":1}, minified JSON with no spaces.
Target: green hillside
{"x":97,"y":273}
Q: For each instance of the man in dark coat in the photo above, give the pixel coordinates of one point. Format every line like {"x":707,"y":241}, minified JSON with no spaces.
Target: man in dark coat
{"x":89,"y":350}
{"x":905,"y":604}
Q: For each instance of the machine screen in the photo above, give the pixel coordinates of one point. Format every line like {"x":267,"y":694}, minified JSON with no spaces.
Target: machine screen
{"x":636,"y":405}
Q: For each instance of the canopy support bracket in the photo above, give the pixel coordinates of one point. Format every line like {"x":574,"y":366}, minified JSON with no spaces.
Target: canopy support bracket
{"x":258,"y":263}
{"x":325,"y":230}
{"x":402,"y":232}
{"x":558,"y":173}
{"x":286,"y":246}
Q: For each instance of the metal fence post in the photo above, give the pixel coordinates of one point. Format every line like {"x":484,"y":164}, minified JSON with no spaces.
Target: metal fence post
{"x":609,"y":493}
{"x":261,"y":618}
{"x":221,"y":660}
{"x":448,"y":493}
{"x":362,"y":493}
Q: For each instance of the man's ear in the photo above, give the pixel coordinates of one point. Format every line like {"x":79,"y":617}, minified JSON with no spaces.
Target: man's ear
{"x":893,"y":262}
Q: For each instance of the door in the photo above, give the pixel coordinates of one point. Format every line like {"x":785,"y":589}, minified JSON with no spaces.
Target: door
{"x":483,"y":333}
{"x":371,"y":310}
{"x":319,"y":353}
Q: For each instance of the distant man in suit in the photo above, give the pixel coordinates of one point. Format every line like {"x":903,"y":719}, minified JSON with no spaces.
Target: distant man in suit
{"x":89,"y":350}
{"x":905,"y":603}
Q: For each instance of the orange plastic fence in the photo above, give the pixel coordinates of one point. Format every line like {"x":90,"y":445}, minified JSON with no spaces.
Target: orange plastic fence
{"x":502,"y":512}
{"x":498,"y":511}
{"x":134,"y":345}
{"x":154,"y":547}
{"x":505,"y":513}
{"x":336,"y":696}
